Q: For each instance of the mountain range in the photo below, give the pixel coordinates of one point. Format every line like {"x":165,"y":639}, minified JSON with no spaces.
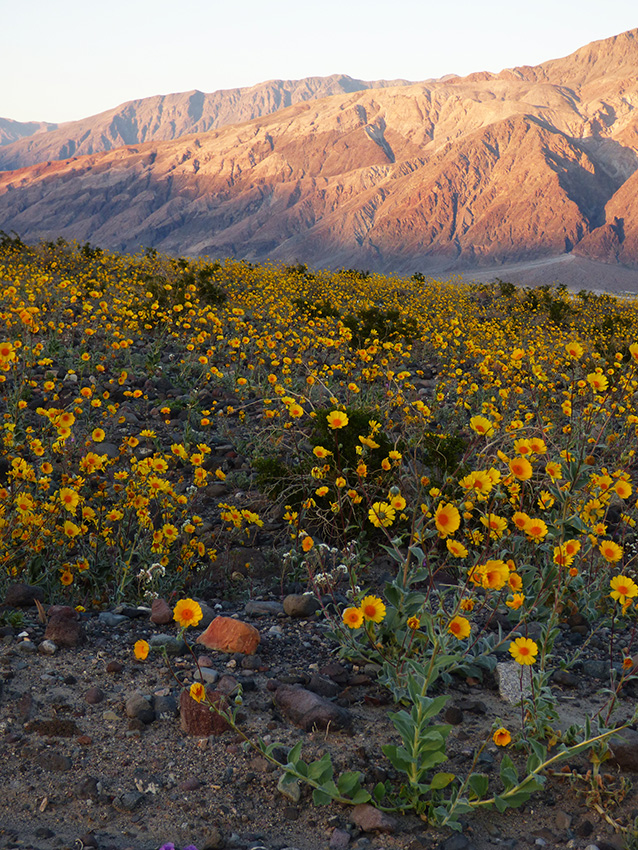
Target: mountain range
{"x":528,"y":165}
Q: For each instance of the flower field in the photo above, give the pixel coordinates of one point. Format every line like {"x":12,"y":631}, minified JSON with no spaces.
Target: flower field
{"x":482,"y":437}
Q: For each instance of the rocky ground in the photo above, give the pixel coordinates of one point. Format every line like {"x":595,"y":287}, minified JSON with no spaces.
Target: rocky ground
{"x":98,"y":754}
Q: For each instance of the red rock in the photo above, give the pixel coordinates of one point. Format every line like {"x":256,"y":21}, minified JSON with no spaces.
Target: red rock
{"x":226,"y":634}
{"x":198,"y":719}
{"x":369,"y":819}
{"x":63,"y":627}
{"x":161,"y":613}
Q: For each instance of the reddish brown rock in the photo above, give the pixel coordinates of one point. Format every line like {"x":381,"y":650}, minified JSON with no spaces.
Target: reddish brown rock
{"x":369,"y":819}
{"x":226,"y":634}
{"x":20,"y":595}
{"x":161,"y":613}
{"x":63,"y":627}
{"x":198,"y":718}
{"x":309,"y":710}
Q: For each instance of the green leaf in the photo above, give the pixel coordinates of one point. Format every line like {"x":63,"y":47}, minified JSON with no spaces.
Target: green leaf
{"x":348,"y":782}
{"x":398,"y":756}
{"x":378,"y":792}
{"x":509,"y":776}
{"x":479,"y":783}
{"x":294,"y":754}
{"x":441,"y":780}
{"x":518,"y":799}
{"x":362,"y":796}
{"x":500,"y":804}
{"x":320,"y":798}
{"x":321,"y":770}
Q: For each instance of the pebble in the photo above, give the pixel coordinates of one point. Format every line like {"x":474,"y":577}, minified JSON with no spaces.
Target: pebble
{"x":370,"y":819}
{"x":47,"y":647}
{"x":94,"y":696}
{"x":206,"y":674}
{"x":339,"y":839}
{"x":508,"y":676}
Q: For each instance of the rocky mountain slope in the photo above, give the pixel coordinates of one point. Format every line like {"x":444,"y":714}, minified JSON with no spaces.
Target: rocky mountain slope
{"x":167,"y":117}
{"x":531,"y":163}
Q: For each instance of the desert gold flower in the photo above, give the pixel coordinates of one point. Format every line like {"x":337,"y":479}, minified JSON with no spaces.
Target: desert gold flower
{"x":459,"y":627}
{"x":481,"y":425}
{"x":381,"y":514}
{"x":187,"y":612}
{"x":372,"y":609}
{"x":610,"y":551}
{"x":197,"y":691}
{"x":352,"y":617}
{"x":447,"y":519}
{"x":623,"y":588}
{"x":521,"y":468}
{"x":337,"y":419}
{"x":502,"y":737}
{"x":141,"y":650}
{"x":413,"y":623}
{"x":523,"y":650}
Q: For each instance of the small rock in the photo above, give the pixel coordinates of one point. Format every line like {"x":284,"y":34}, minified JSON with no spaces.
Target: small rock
{"x":339,"y":839}
{"x":27,"y":647}
{"x":258,"y":608}
{"x":508,"y":676}
{"x":228,"y":685}
{"x":301,"y":604}
{"x":112,"y":620}
{"x":64,"y":628}
{"x":323,"y":686}
{"x":47,"y":647}
{"x":128,"y":801}
{"x":56,"y":762}
{"x":114,"y":667}
{"x":173,"y":646}
{"x":165,"y":706}
{"x":94,"y":696}
{"x":87,"y":788}
{"x":453,"y":715}
{"x":190,"y":784}
{"x":565,"y":678}
{"x":251,"y":662}
{"x":307,"y":710}
{"x":624,"y":749}
{"x":370,"y":819}
{"x":137,"y":707}
{"x":214,"y":839}
{"x":226,"y":634}
{"x":562,"y":820}
{"x":207,"y":674}
{"x":161,"y":613}
{"x":198,"y":719}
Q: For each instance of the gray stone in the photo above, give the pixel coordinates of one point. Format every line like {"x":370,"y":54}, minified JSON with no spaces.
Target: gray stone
{"x":55,"y":762}
{"x":129,"y":801}
{"x":625,"y":750}
{"x":508,"y":676}
{"x":165,"y":706}
{"x":172,"y":645}
{"x":301,"y":605}
{"x":110,"y":619}
{"x":47,"y":647}
{"x":596,"y":669}
{"x":206,"y":674}
{"x":27,"y":647}
{"x":137,"y":707}
{"x":257,"y":608}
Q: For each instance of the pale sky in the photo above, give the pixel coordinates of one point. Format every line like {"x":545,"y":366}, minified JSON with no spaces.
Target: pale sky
{"x":62,"y":60}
